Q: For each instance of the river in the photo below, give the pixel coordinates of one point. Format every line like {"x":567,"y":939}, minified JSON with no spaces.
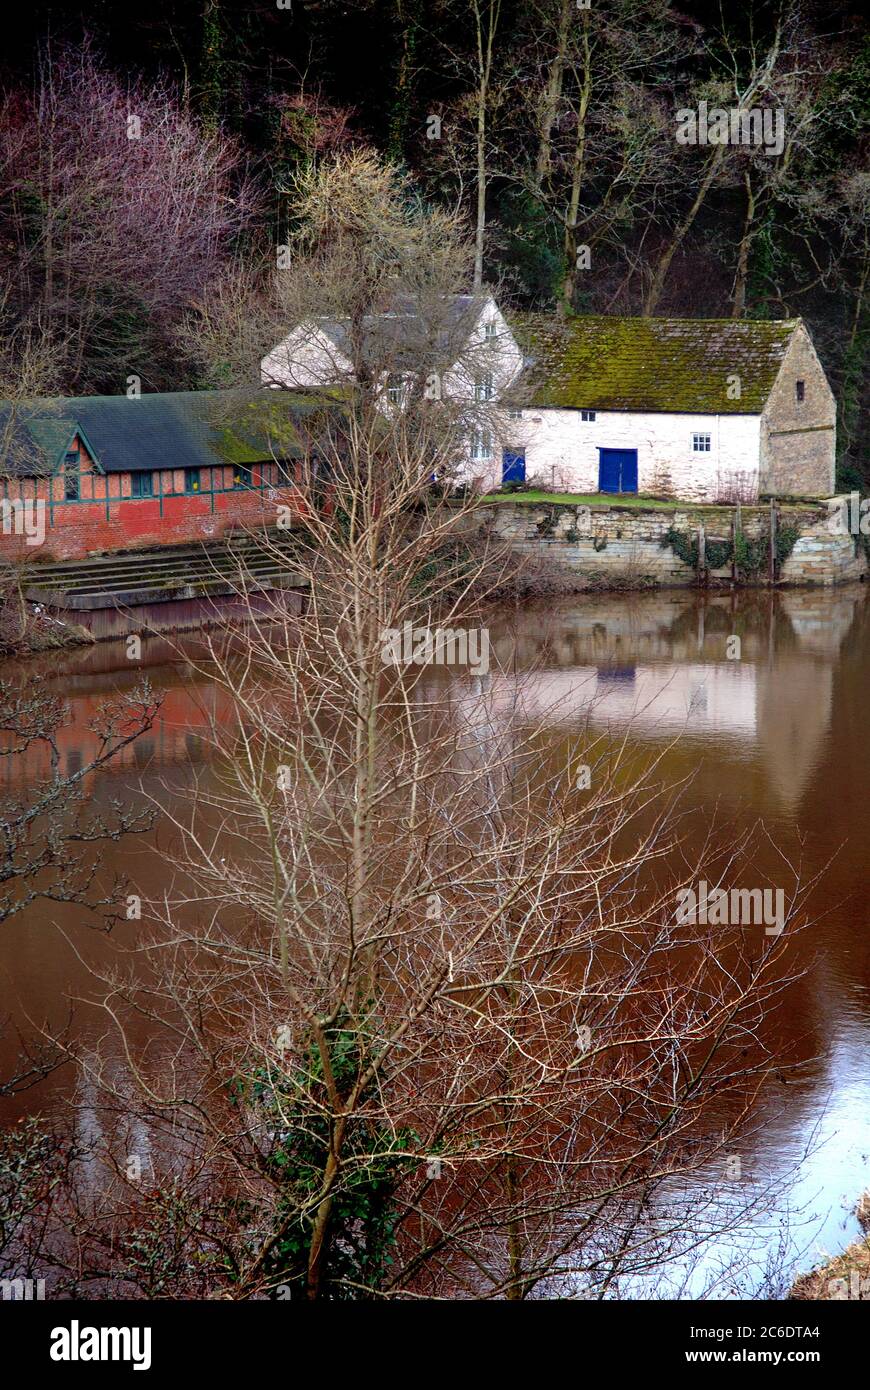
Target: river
{"x":777,"y":736}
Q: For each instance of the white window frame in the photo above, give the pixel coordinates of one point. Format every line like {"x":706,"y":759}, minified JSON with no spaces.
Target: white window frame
{"x":588,"y":416}
{"x":481,"y":445}
{"x":483,"y":387}
{"x":698,"y":444}
{"x":490,"y":331}
{"x":395,"y":389}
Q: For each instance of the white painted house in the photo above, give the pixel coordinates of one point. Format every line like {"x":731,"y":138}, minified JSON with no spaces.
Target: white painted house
{"x":462,"y":346}
{"x":702,"y":409}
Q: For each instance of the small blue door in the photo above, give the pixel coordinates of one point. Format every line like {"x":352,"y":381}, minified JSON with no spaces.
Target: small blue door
{"x":617,"y":470}
{"x":513,"y":466}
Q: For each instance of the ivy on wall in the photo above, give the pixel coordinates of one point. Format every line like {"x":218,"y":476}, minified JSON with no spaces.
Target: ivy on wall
{"x":752,"y":557}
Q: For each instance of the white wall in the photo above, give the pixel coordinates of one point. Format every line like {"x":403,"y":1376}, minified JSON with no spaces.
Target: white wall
{"x":501,"y":356}
{"x":562,"y":450}
{"x":306,"y":357}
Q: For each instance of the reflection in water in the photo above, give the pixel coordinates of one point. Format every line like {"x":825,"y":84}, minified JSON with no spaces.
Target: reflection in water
{"x":777,"y":734}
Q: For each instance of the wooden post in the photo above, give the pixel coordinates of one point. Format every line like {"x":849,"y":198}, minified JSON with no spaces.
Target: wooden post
{"x":771,"y":568}
{"x":735,"y":532}
{"x":702,"y":550}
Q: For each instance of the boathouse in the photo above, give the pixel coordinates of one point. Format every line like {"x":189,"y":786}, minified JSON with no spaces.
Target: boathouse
{"x":111,"y":473}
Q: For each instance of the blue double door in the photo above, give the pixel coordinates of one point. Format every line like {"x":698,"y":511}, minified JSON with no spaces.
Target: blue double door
{"x":617,"y":470}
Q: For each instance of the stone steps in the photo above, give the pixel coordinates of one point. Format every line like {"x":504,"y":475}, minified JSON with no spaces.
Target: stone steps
{"x":212,"y":568}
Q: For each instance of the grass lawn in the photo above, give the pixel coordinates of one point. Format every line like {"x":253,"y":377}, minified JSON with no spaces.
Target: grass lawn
{"x":600,"y":499}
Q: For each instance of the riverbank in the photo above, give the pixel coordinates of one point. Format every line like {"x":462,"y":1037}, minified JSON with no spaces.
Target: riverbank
{"x":843,"y":1276}
{"x":37,"y":631}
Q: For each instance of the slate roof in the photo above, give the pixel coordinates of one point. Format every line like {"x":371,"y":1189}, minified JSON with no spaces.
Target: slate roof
{"x":175,"y":429}
{"x":593,"y":362}
{"x":403,"y":336}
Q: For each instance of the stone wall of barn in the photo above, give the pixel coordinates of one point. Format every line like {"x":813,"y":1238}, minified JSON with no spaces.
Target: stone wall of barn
{"x":562,"y":452}
{"x":798,"y":436}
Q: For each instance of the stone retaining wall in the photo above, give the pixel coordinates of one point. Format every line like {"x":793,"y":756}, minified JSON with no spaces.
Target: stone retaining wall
{"x":624,"y":545}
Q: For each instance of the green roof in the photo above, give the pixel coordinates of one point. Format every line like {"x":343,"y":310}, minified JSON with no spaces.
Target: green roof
{"x":173,"y":429}
{"x":594,"y":362}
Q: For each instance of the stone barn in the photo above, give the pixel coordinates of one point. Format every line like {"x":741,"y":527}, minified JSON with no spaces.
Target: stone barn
{"x":705,"y":410}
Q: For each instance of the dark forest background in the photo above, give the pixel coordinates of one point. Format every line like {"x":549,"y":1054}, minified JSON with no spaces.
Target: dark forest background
{"x":144,"y":150}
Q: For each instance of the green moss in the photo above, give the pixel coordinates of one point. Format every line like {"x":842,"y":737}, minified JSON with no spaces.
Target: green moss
{"x":630,"y":501}
{"x":604,"y":363}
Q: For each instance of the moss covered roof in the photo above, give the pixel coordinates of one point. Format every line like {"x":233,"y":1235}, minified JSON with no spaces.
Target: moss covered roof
{"x":593,"y":362}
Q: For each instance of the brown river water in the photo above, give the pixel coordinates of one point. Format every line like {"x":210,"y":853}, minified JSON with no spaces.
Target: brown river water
{"x":778,"y":736}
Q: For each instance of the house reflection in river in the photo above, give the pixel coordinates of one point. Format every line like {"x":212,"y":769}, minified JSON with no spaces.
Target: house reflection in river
{"x":658,"y":667}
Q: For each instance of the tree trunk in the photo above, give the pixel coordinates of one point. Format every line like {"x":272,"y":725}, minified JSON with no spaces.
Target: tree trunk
{"x":738,"y":299}
{"x":211,"y":64}
{"x":407,"y":21}
{"x":484,"y":72}
{"x":759,"y":78}
{"x":552,"y":94}
{"x":661,"y":274}
{"x":853,"y":362}
{"x":569,"y":284}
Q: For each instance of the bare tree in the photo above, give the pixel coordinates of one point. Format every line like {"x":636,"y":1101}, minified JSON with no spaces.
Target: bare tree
{"x":119,"y":209}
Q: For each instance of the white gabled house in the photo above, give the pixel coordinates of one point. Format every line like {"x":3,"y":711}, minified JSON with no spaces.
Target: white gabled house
{"x":463,"y":344}
{"x":701,"y":409}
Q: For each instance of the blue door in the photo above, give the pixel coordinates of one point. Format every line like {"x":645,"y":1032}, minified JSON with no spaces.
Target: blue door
{"x":513,"y":466}
{"x":617,"y":470}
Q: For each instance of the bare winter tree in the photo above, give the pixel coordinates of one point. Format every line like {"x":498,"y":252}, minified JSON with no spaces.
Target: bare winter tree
{"x":436,"y":1027}
{"x":116,"y":211}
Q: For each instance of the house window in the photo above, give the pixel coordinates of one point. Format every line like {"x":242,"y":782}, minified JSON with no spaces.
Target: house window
{"x":191,"y":480}
{"x":587,"y":414}
{"x":71,"y":481}
{"x":394,"y":389}
{"x":242,"y":476}
{"x":142,"y":484}
{"x":799,"y":390}
{"x":481,"y":445}
{"x":483,"y":388}
{"x":490,"y":331}
{"x":286,"y":472}
{"x":701,"y":443}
